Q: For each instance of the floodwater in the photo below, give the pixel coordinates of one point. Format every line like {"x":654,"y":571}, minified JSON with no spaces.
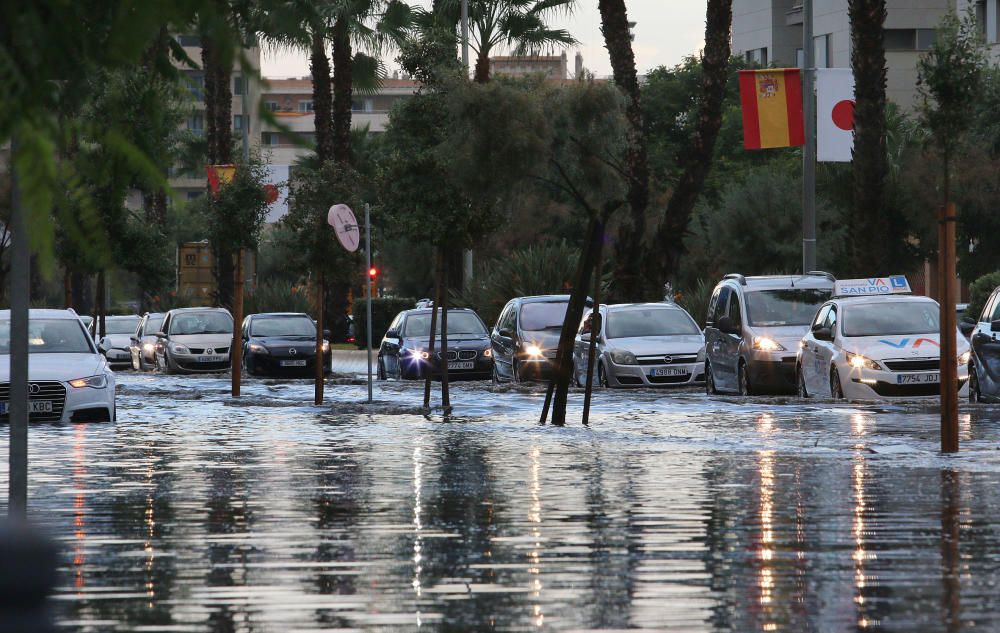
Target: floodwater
{"x":670,"y":512}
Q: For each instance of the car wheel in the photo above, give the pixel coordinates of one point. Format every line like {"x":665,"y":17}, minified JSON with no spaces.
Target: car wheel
{"x":710,"y":387}
{"x":836,"y":389}
{"x":803,"y":393}
{"x":744,"y":386}
{"x":975,"y":396}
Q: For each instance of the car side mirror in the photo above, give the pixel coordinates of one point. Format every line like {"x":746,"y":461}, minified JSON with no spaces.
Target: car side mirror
{"x":505,"y":333}
{"x":160,"y":335}
{"x":392,"y":334}
{"x":726,"y":326}
{"x":969,"y":320}
{"x":327,"y":334}
{"x":966,"y":328}
{"x":823,"y":334}
{"x":995,"y":326}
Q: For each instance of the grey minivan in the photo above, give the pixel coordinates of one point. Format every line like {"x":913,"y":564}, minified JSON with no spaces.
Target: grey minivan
{"x":753,"y":329}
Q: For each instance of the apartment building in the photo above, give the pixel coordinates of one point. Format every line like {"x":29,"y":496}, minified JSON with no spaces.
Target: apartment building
{"x":769,"y":32}
{"x":988,"y":16}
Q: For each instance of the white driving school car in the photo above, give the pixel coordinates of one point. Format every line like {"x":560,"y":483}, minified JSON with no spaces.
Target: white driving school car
{"x":875,"y":340}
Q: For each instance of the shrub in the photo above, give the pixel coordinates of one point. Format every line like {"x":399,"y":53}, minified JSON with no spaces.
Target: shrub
{"x":979,"y":292}
{"x":384,"y":310}
{"x":695,"y":300}
{"x":277,"y":297}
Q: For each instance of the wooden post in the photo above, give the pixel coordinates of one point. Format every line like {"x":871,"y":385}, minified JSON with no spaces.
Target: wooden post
{"x":236,"y":353}
{"x":20,"y":301}
{"x":951,"y":559}
{"x":445,"y":395}
{"x":949,"y":343}
{"x":318,"y":397}
{"x":99,"y":325}
{"x":429,"y":364}
{"x":595,"y":329}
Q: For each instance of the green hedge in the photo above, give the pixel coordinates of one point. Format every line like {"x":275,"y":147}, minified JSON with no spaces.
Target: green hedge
{"x":979,"y":292}
{"x":383,"y":312}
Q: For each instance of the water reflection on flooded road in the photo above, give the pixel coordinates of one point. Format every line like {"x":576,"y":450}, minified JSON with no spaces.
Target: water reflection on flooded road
{"x":672,"y":511}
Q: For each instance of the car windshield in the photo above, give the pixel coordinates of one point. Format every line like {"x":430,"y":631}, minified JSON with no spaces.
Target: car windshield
{"x":649,"y":322}
{"x":459,"y":323}
{"x":283,"y":326}
{"x":547,"y":315}
{"x":121,"y":326}
{"x":153,"y":325}
{"x":50,"y":336}
{"x":873,"y":319}
{"x":792,"y":306}
{"x":201,"y":323}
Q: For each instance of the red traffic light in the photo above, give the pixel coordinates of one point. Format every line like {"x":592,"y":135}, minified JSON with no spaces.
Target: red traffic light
{"x":372,"y":273}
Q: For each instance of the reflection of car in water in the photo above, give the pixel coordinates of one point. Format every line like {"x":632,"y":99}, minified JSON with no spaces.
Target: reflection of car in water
{"x":117,"y":339}
{"x":753,"y":329}
{"x":404,"y":352}
{"x":195,"y":340}
{"x":645,"y":344}
{"x":281,"y":344}
{"x":984,"y":364}
{"x":69,"y":379}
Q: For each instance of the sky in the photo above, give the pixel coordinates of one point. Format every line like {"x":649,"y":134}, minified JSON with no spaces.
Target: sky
{"x":666,"y":31}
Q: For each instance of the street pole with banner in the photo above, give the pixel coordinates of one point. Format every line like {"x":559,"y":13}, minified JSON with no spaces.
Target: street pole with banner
{"x":348,"y":232}
{"x":17,"y":404}
{"x":368,"y":290}
{"x":809,"y":151}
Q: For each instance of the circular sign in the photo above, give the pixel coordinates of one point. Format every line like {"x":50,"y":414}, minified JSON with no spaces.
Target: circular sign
{"x":345,"y":225}
{"x":843,"y":115}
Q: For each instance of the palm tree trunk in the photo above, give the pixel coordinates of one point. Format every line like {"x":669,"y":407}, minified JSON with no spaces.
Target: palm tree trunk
{"x":628,"y":251}
{"x":445,"y":392}
{"x":342,"y":91}
{"x":871,"y":162}
{"x":319,"y":66}
{"x":482,"y":74}
{"x":697,"y":160}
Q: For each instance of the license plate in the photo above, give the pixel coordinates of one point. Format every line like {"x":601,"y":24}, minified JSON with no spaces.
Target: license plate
{"x":668,"y":371}
{"x":293,"y":363}
{"x":211,"y":359}
{"x":34,"y":406}
{"x":461,"y":364}
{"x":917,"y":379}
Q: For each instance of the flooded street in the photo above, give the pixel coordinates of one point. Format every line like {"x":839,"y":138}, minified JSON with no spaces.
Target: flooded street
{"x":672,"y":511}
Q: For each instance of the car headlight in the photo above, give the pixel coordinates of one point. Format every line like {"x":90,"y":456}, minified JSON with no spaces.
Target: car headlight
{"x":767,"y":344}
{"x":99,"y":381}
{"x":418,"y":354}
{"x":179,"y":349}
{"x":623,"y":357}
{"x":857,"y":361}
{"x":701,"y":355}
{"x":534,"y":351}
{"x":148,"y":347}
{"x":326,"y":346}
{"x":965,"y":358}
{"x":257,"y":348}
{"x":488,"y":352}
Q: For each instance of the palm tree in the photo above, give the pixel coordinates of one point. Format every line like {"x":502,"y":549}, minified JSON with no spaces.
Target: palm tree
{"x":516,"y":24}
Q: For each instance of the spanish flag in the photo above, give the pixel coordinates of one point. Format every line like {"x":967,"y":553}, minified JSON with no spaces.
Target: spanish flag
{"x":772,"y":108}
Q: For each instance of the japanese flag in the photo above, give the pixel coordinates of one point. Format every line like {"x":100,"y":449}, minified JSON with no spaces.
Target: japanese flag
{"x":834,"y":114}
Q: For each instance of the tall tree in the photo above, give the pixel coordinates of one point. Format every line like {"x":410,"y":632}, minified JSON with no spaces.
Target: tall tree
{"x":869,"y":214}
{"x":628,"y":250}
{"x":697,"y":160}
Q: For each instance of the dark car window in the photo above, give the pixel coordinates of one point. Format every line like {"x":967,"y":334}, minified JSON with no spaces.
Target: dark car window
{"x":821,"y":316}
{"x":50,"y":336}
{"x":153,"y":325}
{"x":650,"y":322}
{"x":721,"y":304}
{"x":994,"y":309}
{"x":120,"y":326}
{"x":912,"y":317}
{"x":791,"y":306}
{"x":546,"y":315}
{"x":458,"y":323}
{"x":201,"y":323}
{"x":734,"y":311}
{"x":282,"y":326}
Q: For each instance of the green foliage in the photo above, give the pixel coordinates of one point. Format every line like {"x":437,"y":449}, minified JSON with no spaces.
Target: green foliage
{"x":979,"y":291}
{"x":276,"y":297}
{"x":406,"y":266}
{"x":695,"y":299}
{"x":384,"y":310}
{"x":540,"y":269}
{"x":235,"y":217}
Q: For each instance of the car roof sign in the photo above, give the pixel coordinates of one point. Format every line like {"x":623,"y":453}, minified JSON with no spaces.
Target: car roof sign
{"x":872,"y":286}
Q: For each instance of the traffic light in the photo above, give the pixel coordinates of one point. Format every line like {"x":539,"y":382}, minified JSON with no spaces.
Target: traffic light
{"x":372,"y":273}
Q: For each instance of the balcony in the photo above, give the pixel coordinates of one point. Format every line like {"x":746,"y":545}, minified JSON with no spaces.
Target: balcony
{"x":794,"y":16}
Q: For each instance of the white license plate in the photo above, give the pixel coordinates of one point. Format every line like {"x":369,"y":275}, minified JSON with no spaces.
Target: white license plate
{"x":668,"y":371}
{"x":293,"y":363}
{"x":461,"y":364}
{"x":917,"y":379}
{"x":34,"y":406}
{"x":211,"y":359}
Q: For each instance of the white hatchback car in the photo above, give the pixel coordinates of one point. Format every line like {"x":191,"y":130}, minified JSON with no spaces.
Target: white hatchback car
{"x":875,"y":346}
{"x":69,"y":379}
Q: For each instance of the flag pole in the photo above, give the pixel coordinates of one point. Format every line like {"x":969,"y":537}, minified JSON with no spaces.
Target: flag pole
{"x":809,"y":151}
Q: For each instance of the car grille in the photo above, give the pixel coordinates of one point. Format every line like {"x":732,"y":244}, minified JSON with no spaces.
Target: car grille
{"x":926,"y":389}
{"x":462,"y":354}
{"x":196,"y":366}
{"x":920,"y":364}
{"x":216,"y":350}
{"x":47,"y":390}
{"x":669,"y":380}
{"x":675,"y":359}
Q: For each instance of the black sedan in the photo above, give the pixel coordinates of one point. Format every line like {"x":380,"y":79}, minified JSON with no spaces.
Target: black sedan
{"x":281,"y":344}
{"x":404,"y":350}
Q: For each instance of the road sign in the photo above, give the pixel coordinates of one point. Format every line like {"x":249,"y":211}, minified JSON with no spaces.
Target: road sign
{"x":345,"y":225}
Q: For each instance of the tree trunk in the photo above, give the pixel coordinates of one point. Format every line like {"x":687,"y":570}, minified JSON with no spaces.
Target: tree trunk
{"x":445,"y":395}
{"x":342,"y":91}
{"x":482,"y":74}
{"x":67,"y":289}
{"x":868,"y":217}
{"x":628,"y":251}
{"x":319,"y":66}
{"x":429,"y":365}
{"x":318,"y":383}
{"x":697,"y":160}
{"x":595,"y":331}
{"x":101,"y":301}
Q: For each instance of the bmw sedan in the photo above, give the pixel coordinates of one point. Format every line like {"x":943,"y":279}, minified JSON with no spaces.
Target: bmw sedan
{"x":195,"y":340}
{"x":404,"y":353}
{"x":281,"y":344}
{"x":69,"y":379}
{"x":117,"y":339}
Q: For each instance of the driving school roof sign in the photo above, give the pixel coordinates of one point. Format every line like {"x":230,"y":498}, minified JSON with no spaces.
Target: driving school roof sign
{"x":896,"y":284}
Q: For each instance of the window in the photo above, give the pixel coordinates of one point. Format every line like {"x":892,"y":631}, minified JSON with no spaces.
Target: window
{"x":900,"y":39}
{"x":734,"y":311}
{"x":509,"y":320}
{"x":709,"y":318}
{"x":821,"y":51}
{"x":306,"y":106}
{"x":821,"y":316}
{"x":194,"y":195}
{"x":271,"y":106}
{"x":831,"y":319}
{"x":189,"y":40}
{"x":991,"y":311}
{"x":269,"y":138}
{"x":195,"y":81}
{"x":925,"y":39}
{"x":757,"y":56}
{"x":237,"y":121}
{"x":238,"y":85}
{"x":363,"y":105}
{"x":721,"y":305}
{"x":196,"y":122}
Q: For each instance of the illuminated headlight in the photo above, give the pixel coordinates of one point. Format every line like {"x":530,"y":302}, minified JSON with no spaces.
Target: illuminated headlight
{"x":534,"y":351}
{"x":857,"y":361}
{"x":148,"y":347}
{"x":418,"y":354}
{"x":965,"y":358}
{"x":179,"y":349}
{"x":488,"y":353}
{"x":257,"y":348}
{"x":623,"y":357}
{"x":95,"y":382}
{"x":767,"y":344}
{"x":326,"y":346}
